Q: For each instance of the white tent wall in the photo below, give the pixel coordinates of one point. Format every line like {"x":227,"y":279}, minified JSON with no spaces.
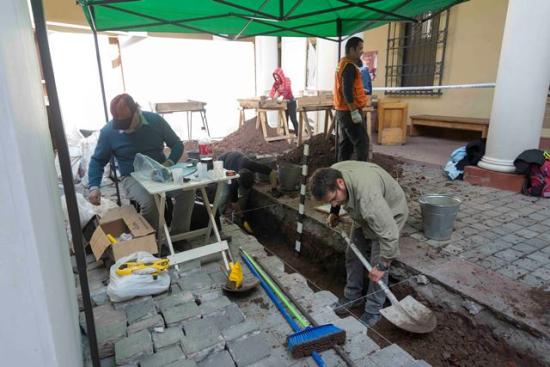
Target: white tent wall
{"x":75,"y":67}
{"x":171,"y":70}
{"x":293,"y":62}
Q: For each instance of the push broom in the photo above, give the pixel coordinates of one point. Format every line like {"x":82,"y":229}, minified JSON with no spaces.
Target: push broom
{"x":306,"y":339}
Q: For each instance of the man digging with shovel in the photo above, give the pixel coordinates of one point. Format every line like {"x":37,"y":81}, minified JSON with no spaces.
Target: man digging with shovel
{"x":378,"y":206}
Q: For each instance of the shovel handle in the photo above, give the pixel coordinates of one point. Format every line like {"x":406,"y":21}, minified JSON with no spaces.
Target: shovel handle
{"x":367,"y":265}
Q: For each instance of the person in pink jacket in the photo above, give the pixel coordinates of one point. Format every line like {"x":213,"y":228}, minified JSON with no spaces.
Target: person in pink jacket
{"x":281,"y":90}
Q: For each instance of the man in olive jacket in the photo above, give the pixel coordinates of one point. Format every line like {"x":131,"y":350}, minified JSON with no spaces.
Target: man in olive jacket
{"x":378,"y":207}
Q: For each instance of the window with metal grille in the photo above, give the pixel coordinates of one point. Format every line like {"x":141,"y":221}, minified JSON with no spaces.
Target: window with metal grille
{"x":415,"y":54}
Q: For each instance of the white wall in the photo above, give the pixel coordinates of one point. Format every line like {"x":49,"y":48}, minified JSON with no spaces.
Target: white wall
{"x":215,"y":72}
{"x":155,"y":70}
{"x":77,"y":76}
{"x":38,"y":312}
{"x":266,"y":62}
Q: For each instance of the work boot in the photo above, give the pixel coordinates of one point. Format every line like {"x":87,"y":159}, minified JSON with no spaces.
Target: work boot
{"x":370,"y":319}
{"x":344,"y":305}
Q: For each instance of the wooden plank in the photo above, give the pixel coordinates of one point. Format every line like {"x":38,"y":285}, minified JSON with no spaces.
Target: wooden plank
{"x":198,"y":252}
{"x":170,"y":107}
{"x":451,"y":125}
{"x":469,"y":120}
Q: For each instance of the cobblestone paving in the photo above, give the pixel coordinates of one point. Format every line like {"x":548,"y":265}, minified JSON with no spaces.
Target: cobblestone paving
{"x":501,"y":230}
{"x":194,"y":324}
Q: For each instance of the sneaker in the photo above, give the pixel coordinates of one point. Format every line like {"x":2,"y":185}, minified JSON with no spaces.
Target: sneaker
{"x":342,"y":307}
{"x":370,"y":319}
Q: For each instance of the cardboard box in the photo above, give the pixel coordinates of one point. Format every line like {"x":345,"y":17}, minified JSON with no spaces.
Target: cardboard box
{"x":123,"y":220}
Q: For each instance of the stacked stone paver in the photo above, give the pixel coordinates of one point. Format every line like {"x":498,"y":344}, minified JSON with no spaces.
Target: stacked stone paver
{"x":501,"y":230}
{"x":194,"y":324}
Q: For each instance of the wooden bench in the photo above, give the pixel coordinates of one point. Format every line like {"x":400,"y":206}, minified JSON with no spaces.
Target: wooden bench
{"x":450,"y":122}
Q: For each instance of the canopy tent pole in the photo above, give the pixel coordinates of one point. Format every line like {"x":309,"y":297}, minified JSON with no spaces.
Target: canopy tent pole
{"x":339,"y":32}
{"x":98,"y":57}
{"x":60,"y":141}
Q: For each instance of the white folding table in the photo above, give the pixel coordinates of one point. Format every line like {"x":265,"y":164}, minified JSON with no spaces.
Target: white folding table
{"x":159,"y":190}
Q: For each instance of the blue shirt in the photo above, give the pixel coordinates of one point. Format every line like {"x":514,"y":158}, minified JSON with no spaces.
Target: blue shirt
{"x":148,"y":139}
{"x":367,"y":82}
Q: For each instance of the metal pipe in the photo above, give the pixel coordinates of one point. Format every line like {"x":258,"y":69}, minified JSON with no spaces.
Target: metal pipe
{"x":60,"y":142}
{"x":102,"y":84}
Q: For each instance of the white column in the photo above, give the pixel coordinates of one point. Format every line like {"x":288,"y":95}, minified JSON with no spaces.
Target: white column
{"x":39,"y":312}
{"x":293,"y":62}
{"x":522,"y":84}
{"x":327,"y":60}
{"x":266,"y":62}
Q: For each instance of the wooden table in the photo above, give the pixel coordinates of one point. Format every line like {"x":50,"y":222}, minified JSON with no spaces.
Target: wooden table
{"x":313,"y":104}
{"x":262,"y":107}
{"x":187,"y":106}
{"x":159,"y":190}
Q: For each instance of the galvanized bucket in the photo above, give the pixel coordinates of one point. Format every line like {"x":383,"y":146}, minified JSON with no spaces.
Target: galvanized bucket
{"x":289,"y":176}
{"x":438,"y":215}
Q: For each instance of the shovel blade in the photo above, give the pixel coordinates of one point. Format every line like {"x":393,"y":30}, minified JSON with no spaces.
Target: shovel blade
{"x":410,"y":315}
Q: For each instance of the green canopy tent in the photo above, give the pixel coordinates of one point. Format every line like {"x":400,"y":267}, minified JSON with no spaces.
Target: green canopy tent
{"x":231,"y":19}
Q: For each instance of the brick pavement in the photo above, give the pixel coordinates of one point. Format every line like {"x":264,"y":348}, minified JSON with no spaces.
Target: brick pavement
{"x":187,"y":326}
{"x":501,"y":230}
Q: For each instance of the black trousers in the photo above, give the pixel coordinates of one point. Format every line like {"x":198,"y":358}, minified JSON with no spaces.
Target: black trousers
{"x":291,"y":112}
{"x":352,"y":138}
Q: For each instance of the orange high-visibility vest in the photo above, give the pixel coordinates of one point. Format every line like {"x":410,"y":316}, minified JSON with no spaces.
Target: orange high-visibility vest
{"x":359,"y":96}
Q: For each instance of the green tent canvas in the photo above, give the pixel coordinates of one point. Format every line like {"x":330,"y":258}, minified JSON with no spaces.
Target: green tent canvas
{"x":247,"y":18}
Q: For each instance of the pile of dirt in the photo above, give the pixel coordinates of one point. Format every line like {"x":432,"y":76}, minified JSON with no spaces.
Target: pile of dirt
{"x":322,"y":154}
{"x":248,"y":139}
{"x":457,"y":341}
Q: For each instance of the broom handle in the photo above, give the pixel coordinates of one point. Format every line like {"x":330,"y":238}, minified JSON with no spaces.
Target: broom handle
{"x":367,"y":265}
{"x":301,"y":321}
{"x":264,"y":282}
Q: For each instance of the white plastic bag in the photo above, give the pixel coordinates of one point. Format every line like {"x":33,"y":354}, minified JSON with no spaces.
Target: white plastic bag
{"x":87,"y":210}
{"x":123,"y":288}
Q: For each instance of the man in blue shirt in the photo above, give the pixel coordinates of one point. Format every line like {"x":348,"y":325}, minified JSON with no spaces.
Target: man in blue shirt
{"x":133,"y":131}
{"x":365,"y":75}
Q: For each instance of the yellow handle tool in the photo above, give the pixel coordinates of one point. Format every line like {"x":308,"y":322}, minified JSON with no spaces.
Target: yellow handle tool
{"x":112,"y":239}
{"x":130,"y":267}
{"x":236,"y":274}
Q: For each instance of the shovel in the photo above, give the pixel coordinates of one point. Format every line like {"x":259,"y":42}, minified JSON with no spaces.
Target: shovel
{"x":407,"y":314}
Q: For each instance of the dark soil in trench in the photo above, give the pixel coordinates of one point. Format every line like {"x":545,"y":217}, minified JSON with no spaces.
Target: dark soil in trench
{"x":457,"y":340}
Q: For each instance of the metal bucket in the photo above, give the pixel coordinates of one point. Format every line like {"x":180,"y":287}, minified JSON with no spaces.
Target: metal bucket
{"x":269,"y":161}
{"x":289,"y":176}
{"x":438,"y":215}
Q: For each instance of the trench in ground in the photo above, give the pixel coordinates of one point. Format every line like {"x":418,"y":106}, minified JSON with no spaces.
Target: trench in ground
{"x":457,"y":340}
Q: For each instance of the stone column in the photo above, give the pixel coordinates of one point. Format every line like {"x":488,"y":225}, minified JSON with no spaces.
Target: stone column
{"x":39,"y":312}
{"x":522,"y":84}
{"x":327,"y":60}
{"x":266,"y":61}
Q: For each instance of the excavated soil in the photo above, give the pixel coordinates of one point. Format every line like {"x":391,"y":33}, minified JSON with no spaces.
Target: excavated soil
{"x":248,"y":140}
{"x":457,"y":340}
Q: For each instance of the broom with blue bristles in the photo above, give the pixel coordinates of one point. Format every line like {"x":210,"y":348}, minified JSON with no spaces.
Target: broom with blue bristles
{"x":307,"y":340}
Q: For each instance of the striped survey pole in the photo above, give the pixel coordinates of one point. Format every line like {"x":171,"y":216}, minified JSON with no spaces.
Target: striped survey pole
{"x":302,"y":205}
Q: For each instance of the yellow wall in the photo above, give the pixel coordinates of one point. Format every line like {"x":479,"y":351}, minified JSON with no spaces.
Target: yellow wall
{"x":473,"y":47}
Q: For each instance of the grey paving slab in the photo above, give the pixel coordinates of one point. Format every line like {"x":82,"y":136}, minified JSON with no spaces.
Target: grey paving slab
{"x":110,"y":325}
{"x":195,"y":281}
{"x":249,"y":350}
{"x":146,"y":324}
{"x":174,"y":300}
{"x":246,"y":328}
{"x":140,"y":311}
{"x":542,"y":273}
{"x":509,"y":255}
{"x":360,"y":345}
{"x":167,"y":338}
{"x":199,"y":346}
{"x":524,"y":248}
{"x":133,"y":348}
{"x":163,"y":357}
{"x":221,"y":359}
{"x":177,"y":315}
{"x":392,"y":356}
{"x":214,"y":305}
{"x":228,"y":316}
{"x":182,"y":363}
{"x":528,"y":264}
{"x":196,"y":327}
{"x":512,"y":271}
{"x":133,"y":301}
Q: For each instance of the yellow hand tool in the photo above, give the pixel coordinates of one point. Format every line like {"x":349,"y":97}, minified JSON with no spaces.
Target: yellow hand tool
{"x":235,"y":274}
{"x":154,"y":267}
{"x":112,"y":239}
